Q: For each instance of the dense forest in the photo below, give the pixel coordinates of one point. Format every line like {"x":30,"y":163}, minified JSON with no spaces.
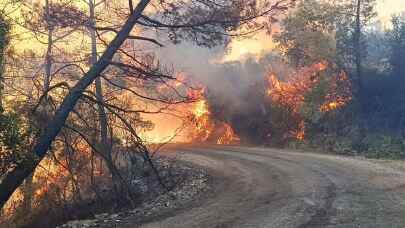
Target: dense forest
{"x":332,"y":82}
{"x":85,"y":90}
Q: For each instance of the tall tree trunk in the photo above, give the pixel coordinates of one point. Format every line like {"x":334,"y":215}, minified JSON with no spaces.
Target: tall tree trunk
{"x":359,"y":74}
{"x":105,"y":145}
{"x":13,"y":179}
{"x":357,"y":48}
{"x":3,"y":43}
{"x":48,"y":55}
{"x":99,"y":90}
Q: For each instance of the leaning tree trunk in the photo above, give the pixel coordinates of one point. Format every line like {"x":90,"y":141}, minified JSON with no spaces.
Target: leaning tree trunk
{"x":13,"y":179}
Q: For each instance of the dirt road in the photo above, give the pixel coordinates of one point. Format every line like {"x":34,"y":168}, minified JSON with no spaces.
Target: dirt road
{"x":256,"y":187}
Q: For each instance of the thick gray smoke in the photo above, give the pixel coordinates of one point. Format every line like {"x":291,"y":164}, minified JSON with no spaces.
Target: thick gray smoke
{"x":229,"y":80}
{"x":236,"y":91}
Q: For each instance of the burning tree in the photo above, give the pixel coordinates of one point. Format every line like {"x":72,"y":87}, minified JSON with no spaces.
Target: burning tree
{"x":278,"y":107}
{"x":309,"y":94}
{"x":205,"y":128}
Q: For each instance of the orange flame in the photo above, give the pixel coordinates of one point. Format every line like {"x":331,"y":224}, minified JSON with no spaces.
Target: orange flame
{"x":292,"y":93}
{"x":205,"y":128}
{"x":228,"y":137}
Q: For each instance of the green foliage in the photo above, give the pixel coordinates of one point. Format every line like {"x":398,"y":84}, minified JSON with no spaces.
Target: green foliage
{"x":346,"y":31}
{"x":282,"y":121}
{"x":373,"y":124}
{"x":4,"y":28}
{"x":13,"y":142}
{"x":384,"y":146}
{"x":13,"y":136}
{"x":10,"y":134}
{"x":307,"y":34}
{"x":313,"y":100}
{"x":396,"y":40}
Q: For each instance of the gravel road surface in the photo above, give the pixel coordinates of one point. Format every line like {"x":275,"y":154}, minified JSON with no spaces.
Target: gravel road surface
{"x":257,"y":187}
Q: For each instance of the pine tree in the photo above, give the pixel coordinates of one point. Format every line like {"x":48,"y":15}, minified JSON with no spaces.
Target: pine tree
{"x":397,"y":46}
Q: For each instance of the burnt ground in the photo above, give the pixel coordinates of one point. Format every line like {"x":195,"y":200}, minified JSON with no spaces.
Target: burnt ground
{"x":257,"y":187}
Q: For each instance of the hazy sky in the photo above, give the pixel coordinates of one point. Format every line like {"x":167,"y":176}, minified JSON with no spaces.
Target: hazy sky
{"x":386,"y":8}
{"x":263,"y":43}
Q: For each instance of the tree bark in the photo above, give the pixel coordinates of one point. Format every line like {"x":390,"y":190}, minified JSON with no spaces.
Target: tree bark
{"x":48,"y":55}
{"x":98,"y":83}
{"x":13,"y":179}
{"x":3,"y":44}
{"x":105,"y":145}
{"x":357,"y":48}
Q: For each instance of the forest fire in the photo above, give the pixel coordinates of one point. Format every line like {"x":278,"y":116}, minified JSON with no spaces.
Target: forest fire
{"x":214,"y":118}
{"x":204,"y":128}
{"x":228,"y":137}
{"x":191,"y":121}
{"x":292,"y":91}
{"x":333,"y":92}
{"x":200,"y":108}
{"x":52,"y":183}
{"x":201,"y":122}
{"x":339,"y":95}
{"x":90,"y":91}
